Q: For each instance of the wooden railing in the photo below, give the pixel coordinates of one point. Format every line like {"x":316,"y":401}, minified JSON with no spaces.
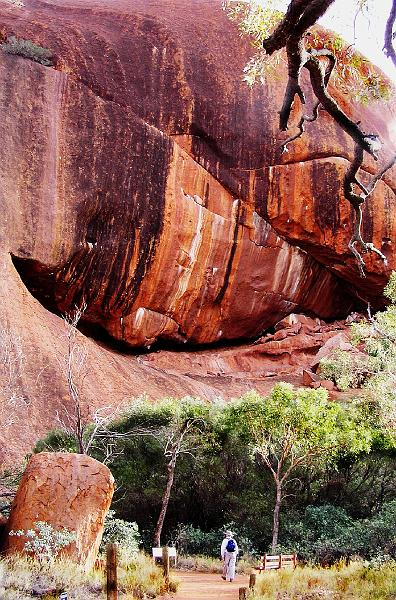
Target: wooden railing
{"x":276,"y":561}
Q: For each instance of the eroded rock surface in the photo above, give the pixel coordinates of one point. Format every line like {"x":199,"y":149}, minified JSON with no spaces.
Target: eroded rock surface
{"x":140,"y":175}
{"x":71,"y":491}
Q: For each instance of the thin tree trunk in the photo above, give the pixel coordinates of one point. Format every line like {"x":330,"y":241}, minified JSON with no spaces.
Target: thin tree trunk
{"x":275,"y":527}
{"x":165,"y":502}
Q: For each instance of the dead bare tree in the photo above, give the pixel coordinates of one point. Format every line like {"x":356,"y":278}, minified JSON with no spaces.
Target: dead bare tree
{"x":12,"y":366}
{"x":73,"y":418}
{"x":178,"y":439}
{"x":94,"y":431}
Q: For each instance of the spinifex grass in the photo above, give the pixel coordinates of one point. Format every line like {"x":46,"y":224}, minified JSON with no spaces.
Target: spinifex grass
{"x":21,"y":575}
{"x":358,"y":580}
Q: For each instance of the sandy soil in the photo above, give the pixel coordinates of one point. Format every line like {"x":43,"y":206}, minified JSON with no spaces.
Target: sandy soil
{"x":208,"y":586}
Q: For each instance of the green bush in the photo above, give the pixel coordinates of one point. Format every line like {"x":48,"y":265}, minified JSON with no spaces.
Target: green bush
{"x":123,"y":533}
{"x":327,"y":533}
{"x":28,"y":49}
{"x":56,"y":440}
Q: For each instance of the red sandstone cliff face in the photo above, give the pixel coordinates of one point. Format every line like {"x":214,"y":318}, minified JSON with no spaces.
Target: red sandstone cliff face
{"x":142,"y":176}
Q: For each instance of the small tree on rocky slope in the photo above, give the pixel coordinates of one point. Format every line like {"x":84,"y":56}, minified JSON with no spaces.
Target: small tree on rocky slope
{"x":294,"y":429}
{"x":373,"y":368}
{"x":273,"y":30}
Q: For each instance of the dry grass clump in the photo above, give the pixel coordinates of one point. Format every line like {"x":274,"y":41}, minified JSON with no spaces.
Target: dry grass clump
{"x":21,"y":576}
{"x":357,"y":580}
{"x":141,"y":577}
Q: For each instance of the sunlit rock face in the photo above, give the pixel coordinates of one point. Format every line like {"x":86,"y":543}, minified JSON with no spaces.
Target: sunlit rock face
{"x":140,"y":175}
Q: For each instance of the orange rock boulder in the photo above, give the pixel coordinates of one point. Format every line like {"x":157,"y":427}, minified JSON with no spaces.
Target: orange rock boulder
{"x":71,"y":491}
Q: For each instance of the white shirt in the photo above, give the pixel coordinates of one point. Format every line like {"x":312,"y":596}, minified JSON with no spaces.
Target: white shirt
{"x":224,"y":545}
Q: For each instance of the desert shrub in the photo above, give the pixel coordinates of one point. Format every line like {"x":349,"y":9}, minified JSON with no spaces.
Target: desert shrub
{"x":56,"y":440}
{"x":376,"y":372}
{"x":344,"y":368}
{"x":141,"y":578}
{"x":44,"y":541}
{"x":123,"y":533}
{"x":327,"y":533}
{"x":23,"y":576}
{"x":28,"y":49}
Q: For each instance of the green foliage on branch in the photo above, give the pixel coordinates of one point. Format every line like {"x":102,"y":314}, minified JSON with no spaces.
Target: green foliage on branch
{"x":354,"y":74}
{"x":293,"y":426}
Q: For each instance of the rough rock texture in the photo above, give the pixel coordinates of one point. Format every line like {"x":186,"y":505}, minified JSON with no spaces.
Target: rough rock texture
{"x":297,"y":343}
{"x":65,"y":490}
{"x":141,"y":175}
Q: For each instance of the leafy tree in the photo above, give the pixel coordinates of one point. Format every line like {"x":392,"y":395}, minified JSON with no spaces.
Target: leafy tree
{"x":180,"y":427}
{"x":273,"y":31}
{"x":295,"y":428}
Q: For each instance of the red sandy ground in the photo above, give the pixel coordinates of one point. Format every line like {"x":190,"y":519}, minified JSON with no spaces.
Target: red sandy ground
{"x":208,"y":586}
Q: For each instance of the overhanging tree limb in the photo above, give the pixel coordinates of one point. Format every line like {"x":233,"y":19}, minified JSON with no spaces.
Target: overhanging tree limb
{"x":289,"y":34}
{"x":390,"y":34}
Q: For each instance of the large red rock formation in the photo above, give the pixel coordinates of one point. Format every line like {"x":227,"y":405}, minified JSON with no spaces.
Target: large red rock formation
{"x":71,"y":491}
{"x":141,"y":175}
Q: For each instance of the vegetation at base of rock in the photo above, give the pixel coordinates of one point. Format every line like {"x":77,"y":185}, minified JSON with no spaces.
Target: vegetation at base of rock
{"x":28,"y":49}
{"x":363,"y":580}
{"x":20,"y":576}
{"x":373,"y":368}
{"x":123,"y":533}
{"x":45,"y":542}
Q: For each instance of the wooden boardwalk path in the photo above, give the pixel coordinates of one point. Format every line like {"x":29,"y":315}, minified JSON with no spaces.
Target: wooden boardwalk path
{"x":208,"y":586}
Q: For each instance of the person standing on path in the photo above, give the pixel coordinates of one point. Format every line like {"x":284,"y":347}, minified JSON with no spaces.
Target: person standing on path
{"x":229,"y":551}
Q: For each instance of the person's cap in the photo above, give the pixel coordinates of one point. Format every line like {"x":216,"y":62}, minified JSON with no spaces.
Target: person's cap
{"x":228,"y":533}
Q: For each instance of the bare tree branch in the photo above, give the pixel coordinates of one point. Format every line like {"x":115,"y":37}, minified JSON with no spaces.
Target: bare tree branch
{"x":390,"y":35}
{"x":301,"y":15}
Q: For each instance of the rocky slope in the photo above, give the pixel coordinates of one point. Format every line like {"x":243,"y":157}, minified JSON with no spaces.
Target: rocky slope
{"x":141,"y":176}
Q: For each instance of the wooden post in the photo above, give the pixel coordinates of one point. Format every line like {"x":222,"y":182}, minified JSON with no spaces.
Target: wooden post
{"x":280,"y":561}
{"x":165,"y":562}
{"x":111,"y":555}
{"x":252,"y":580}
{"x":243,"y":593}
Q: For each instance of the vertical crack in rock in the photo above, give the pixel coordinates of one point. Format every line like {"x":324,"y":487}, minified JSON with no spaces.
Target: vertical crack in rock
{"x":227,"y":274}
